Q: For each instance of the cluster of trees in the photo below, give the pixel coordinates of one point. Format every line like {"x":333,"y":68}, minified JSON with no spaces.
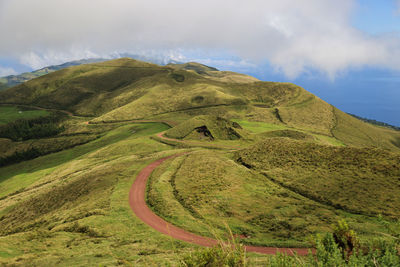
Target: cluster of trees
{"x":19,"y":156}
{"x":24,"y":129}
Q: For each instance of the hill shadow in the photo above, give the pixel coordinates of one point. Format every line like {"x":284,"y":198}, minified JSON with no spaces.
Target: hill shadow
{"x":59,"y":158}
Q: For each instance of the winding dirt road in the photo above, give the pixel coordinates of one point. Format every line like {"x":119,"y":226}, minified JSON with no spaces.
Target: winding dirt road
{"x":138,"y":205}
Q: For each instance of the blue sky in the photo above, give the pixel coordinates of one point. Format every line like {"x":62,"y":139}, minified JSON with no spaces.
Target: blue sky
{"x":377,"y":17}
{"x":345,"y":51}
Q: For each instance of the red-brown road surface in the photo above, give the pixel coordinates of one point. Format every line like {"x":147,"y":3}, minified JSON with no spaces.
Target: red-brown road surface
{"x":138,"y":205}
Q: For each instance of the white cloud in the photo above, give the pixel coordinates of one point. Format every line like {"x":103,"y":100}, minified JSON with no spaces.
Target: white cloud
{"x":238,"y":65}
{"x":292,"y":35}
{"x":6,"y":71}
{"x":53,"y":57}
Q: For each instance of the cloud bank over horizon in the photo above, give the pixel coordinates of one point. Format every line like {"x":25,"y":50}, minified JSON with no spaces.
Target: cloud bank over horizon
{"x":294,"y":37}
{"x":5,"y":71}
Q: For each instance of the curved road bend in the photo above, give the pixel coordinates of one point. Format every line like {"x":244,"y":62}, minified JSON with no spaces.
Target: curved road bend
{"x":138,"y":205}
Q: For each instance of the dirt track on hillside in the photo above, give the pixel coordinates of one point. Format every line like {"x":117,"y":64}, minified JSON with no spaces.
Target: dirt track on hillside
{"x":138,"y":205}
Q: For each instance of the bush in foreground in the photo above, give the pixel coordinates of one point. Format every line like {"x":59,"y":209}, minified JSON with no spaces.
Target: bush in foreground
{"x":226,"y":254}
{"x":340,"y":248}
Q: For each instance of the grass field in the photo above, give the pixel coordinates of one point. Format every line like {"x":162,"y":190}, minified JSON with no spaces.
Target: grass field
{"x":281,"y":166}
{"x":12,"y":113}
{"x":85,"y":200}
{"x":259,"y":127}
{"x":338,"y":176}
{"x":264,"y":130}
{"x":125,"y":89}
{"x":76,"y":199}
{"x":205,"y":190}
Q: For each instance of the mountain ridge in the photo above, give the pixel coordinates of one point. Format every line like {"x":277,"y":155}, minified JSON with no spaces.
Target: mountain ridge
{"x":271,"y":161}
{"x":127,"y":89}
{"x":13,"y":80}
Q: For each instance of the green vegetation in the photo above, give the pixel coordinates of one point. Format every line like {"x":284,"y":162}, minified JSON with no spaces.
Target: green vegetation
{"x":375,"y":122}
{"x":259,"y":127}
{"x":289,"y":134}
{"x":206,"y":190}
{"x":12,"y":113}
{"x":20,"y":151}
{"x":274,"y":163}
{"x":267,"y":130}
{"x":26,"y":173}
{"x":13,"y":80}
{"x":3,"y":86}
{"x":337,"y":176}
{"x":231,"y":254}
{"x":30,"y":153}
{"x":73,"y":210}
{"x":330,"y":251}
{"x":126,"y":89}
{"x":365,"y":134}
{"x":24,"y":129}
{"x":207,"y":127}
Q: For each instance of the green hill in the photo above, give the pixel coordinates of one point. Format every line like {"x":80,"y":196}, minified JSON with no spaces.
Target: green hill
{"x":271,"y":161}
{"x":126,"y":89}
{"x":360,"y":180}
{"x":213,"y":73}
{"x":13,"y":80}
{"x":207,"y":127}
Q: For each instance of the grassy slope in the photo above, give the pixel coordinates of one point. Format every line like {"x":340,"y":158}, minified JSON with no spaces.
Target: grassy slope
{"x":76,"y":132}
{"x":87,"y":89}
{"x":75,"y":200}
{"x":3,"y":86}
{"x":12,"y":113}
{"x":214,"y":74}
{"x":359,"y":180}
{"x":205,"y":190}
{"x":126,"y":89}
{"x":57,"y":206}
{"x":219,"y":128}
{"x":73,"y":210}
{"x":13,"y":80}
{"x":358,"y":133}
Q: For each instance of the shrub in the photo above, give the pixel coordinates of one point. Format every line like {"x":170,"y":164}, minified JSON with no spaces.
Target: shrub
{"x":328,"y":252}
{"x":215,"y":257}
{"x":345,"y":238}
{"x":232,"y":254}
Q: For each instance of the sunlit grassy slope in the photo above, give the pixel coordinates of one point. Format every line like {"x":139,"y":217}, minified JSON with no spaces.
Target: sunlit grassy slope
{"x":282,"y":166}
{"x":205,"y":190}
{"x":207,"y":127}
{"x":70,"y":208}
{"x":214,"y":74}
{"x":126,"y":89}
{"x":13,"y":80}
{"x":359,"y":180}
